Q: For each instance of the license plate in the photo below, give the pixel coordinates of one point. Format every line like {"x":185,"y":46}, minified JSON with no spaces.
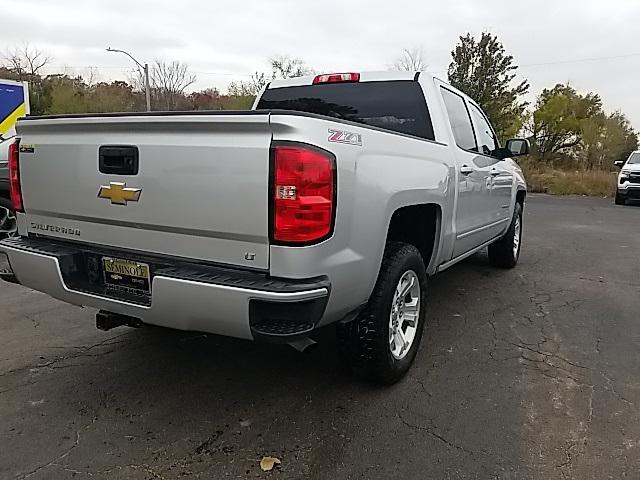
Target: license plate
{"x":126,"y":274}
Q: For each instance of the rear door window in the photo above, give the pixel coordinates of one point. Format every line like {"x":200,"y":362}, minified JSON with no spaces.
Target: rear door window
{"x":397,"y":105}
{"x":460,"y":120}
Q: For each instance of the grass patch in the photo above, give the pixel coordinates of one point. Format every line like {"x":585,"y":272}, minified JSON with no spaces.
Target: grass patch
{"x":594,"y":183}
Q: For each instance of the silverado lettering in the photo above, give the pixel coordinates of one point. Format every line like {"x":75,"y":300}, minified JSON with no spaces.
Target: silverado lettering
{"x":43,"y":227}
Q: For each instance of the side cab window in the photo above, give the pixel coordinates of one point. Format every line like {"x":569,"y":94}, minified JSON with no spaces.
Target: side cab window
{"x":487,"y":139}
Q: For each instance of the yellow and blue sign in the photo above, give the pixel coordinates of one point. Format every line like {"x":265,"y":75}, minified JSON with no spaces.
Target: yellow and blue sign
{"x":14,"y":103}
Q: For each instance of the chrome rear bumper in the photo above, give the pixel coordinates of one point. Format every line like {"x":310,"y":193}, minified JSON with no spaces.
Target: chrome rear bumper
{"x":196,"y":302}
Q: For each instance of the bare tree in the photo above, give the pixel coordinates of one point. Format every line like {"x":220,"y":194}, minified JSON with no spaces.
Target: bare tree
{"x":26,"y":60}
{"x":91,"y":76}
{"x":411,"y":60}
{"x":284,"y":66}
{"x":248,"y":88}
{"x":168,"y":80}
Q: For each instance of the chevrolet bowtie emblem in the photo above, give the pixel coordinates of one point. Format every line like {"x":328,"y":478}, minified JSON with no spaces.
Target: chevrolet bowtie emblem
{"x":119,"y":194}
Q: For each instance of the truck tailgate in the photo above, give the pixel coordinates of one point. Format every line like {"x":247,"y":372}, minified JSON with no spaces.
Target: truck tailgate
{"x":202,"y":183}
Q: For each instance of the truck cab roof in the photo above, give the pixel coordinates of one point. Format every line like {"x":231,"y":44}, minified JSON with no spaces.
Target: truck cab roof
{"x":375,"y":76}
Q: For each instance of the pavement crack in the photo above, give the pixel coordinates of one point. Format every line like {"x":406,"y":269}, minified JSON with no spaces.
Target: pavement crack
{"x":55,"y":460}
{"x":610,"y":387}
{"x":148,"y":469}
{"x":432,"y":431}
{"x":494,"y":345}
{"x":545,"y":361}
{"x":424,"y":388}
{"x":15,"y":387}
{"x":549,"y":355}
{"x":62,"y":456}
{"x":80,"y":352}
{"x":35,"y":322}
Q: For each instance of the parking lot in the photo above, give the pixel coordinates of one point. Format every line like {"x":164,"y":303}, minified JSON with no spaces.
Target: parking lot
{"x":531,"y":373}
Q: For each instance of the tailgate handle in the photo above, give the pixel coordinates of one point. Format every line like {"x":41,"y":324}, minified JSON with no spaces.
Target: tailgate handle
{"x":118,"y":160}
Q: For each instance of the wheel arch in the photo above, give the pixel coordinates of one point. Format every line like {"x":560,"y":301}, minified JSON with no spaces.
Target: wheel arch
{"x":418,"y":224}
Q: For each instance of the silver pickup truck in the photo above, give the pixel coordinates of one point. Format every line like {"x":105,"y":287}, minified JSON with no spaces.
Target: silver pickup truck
{"x":330,"y":202}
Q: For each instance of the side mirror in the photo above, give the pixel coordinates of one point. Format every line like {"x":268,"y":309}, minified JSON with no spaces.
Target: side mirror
{"x":618,"y":163}
{"x":518,"y":147}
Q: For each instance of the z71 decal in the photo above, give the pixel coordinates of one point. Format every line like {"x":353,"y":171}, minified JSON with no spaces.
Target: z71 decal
{"x":340,"y":136}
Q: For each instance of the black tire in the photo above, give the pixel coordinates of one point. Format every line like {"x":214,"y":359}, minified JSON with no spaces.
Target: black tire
{"x":364,"y":342}
{"x":502,"y":253}
{"x":620,"y":199}
{"x":6,"y":203}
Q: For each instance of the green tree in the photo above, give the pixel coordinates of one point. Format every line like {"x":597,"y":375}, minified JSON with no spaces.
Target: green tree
{"x":68,"y":95}
{"x":606,"y":139}
{"x":560,"y":120}
{"x":117,"y":96}
{"x":208,"y":99}
{"x":482,"y":69}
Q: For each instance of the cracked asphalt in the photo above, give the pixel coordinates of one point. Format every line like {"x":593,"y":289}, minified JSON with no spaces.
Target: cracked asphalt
{"x":531,"y":373}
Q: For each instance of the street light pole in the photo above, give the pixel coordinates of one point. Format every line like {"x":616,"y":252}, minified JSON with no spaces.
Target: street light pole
{"x":144,"y":68}
{"x":147,"y":88}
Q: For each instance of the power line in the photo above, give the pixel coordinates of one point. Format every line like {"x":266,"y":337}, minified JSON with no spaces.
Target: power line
{"x":561,"y":62}
{"x":130,"y":69}
{"x":237,"y":74}
{"x":580,"y":60}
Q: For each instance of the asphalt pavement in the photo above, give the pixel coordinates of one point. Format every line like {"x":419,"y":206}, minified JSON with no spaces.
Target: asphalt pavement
{"x":530,"y":373}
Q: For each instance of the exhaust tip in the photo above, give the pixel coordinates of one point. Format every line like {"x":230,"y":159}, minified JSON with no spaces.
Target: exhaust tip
{"x":304,"y":345}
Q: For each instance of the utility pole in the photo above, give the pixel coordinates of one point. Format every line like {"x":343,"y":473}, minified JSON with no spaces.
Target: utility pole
{"x":145,"y":69}
{"x":147,"y":88}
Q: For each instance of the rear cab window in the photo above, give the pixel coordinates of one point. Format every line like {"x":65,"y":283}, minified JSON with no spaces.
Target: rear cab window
{"x":398,"y":106}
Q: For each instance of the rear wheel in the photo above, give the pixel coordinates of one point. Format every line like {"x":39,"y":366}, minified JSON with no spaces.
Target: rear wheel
{"x":8,"y":223}
{"x":620,"y":199}
{"x":381,"y":343}
{"x":505,"y":252}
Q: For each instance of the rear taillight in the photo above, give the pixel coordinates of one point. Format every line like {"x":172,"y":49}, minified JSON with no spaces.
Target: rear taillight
{"x":304,"y":180}
{"x":336,"y":78}
{"x":15,"y":192}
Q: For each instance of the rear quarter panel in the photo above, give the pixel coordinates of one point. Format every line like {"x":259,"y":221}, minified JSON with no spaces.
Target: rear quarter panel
{"x":386,"y":172}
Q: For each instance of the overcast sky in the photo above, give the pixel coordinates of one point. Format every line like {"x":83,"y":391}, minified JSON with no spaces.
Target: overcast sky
{"x":593,"y":44}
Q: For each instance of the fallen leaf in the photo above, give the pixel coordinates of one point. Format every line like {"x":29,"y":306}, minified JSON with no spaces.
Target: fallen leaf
{"x":267,"y":463}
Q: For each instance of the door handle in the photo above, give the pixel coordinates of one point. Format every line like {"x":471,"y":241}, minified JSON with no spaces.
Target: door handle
{"x":466,"y":170}
{"x":494,"y":172}
{"x":118,"y":160}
